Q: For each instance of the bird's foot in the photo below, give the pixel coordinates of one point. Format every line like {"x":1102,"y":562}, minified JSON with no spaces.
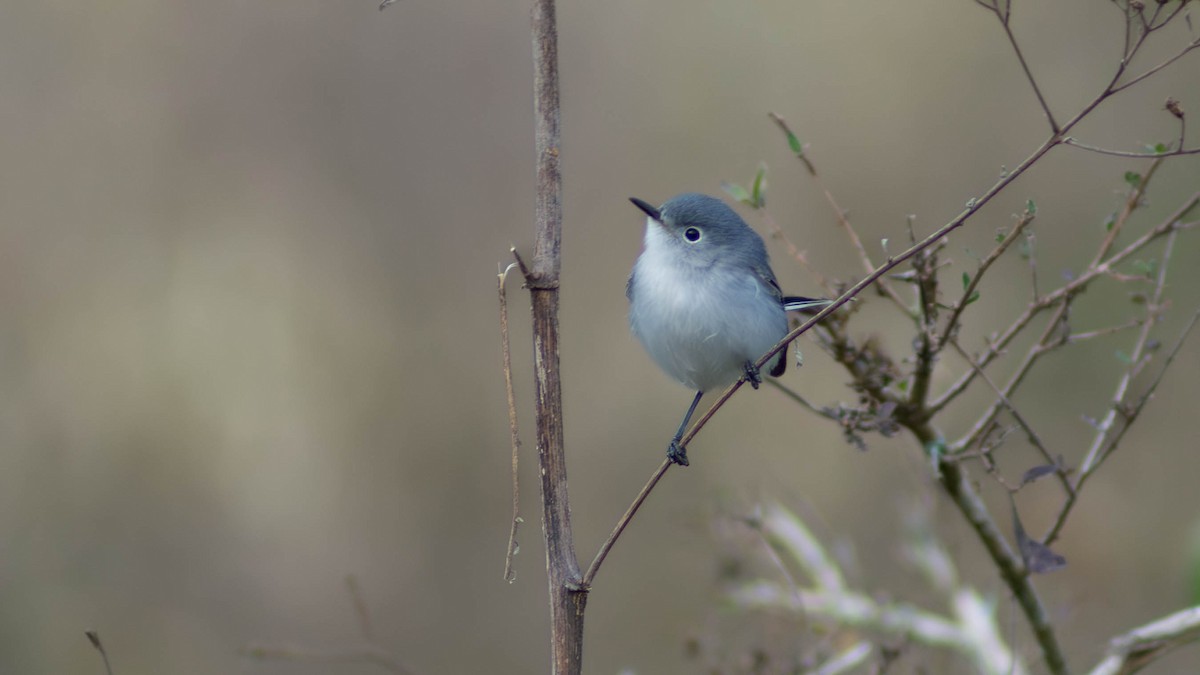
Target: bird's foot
{"x":753,"y":376}
{"x":677,"y":453}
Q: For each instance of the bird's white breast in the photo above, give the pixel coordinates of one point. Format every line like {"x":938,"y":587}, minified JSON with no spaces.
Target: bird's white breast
{"x":700,"y":324}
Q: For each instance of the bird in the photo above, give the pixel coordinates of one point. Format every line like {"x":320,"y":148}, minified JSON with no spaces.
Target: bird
{"x":703,"y":300}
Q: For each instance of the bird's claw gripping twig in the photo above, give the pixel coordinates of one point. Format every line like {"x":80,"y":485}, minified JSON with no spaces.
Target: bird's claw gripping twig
{"x":677,"y":453}
{"x":753,"y":376}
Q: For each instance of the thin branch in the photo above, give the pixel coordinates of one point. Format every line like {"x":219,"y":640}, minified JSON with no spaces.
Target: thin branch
{"x":1131,"y":204}
{"x":1031,"y":241}
{"x":925,"y":343}
{"x":1145,"y":398}
{"x":1080,"y":283}
{"x":1010,"y":237}
{"x":1136,"y":649}
{"x":1135,"y":155}
{"x":1032,"y":435}
{"x":864,"y":257}
{"x":1101,"y":332}
{"x":1103,"y":445}
{"x":594,"y":568}
{"x":797,"y":398}
{"x":1005,"y":21}
{"x":94,"y":638}
{"x":1050,"y":339}
{"x":1134,"y":412}
{"x":514,"y":437}
{"x":1194,"y":44}
{"x":794,"y":251}
{"x":1044,"y":344}
{"x":1153,"y":306}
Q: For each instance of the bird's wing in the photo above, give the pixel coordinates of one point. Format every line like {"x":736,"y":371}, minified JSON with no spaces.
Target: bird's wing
{"x":767,"y":277}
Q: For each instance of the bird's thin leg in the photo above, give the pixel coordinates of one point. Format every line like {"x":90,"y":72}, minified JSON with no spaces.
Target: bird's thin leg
{"x":753,"y":376}
{"x":676,"y":452}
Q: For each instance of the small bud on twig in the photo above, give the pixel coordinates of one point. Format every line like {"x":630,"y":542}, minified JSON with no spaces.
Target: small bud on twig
{"x":1174,"y":107}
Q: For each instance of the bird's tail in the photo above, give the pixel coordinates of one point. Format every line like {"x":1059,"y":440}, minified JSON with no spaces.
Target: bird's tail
{"x":794,"y":303}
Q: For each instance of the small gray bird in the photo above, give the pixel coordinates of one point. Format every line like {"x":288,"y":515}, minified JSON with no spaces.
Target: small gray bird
{"x":703,"y":300}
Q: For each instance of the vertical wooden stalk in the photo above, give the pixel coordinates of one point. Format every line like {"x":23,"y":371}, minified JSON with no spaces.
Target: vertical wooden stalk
{"x":568,"y":598}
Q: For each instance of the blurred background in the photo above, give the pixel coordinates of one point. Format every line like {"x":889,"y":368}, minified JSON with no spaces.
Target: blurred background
{"x":248,"y":341}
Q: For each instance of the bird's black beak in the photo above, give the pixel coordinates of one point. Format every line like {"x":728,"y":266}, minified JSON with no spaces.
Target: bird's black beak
{"x":647,"y":209}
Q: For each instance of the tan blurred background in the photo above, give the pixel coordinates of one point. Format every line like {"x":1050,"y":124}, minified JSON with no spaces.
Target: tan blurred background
{"x":248,"y":341}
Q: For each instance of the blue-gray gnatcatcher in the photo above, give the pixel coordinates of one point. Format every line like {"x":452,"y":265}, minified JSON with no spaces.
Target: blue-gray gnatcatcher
{"x":703,"y":300}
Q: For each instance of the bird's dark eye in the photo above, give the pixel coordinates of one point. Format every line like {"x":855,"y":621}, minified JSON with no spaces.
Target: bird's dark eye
{"x":692,"y":234}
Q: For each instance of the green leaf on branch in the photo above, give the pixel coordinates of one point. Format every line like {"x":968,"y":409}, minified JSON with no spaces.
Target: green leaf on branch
{"x":794,"y":144}
{"x":1146,"y":268}
{"x":737,"y":192}
{"x":1030,"y":207}
{"x":759,"y":191}
{"x":1133,"y":178}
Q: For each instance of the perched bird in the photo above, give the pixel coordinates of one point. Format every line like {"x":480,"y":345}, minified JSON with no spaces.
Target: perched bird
{"x":703,"y":300}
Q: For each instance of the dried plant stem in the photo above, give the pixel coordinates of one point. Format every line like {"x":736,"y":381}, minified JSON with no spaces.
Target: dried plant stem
{"x":514,"y":437}
{"x":568,"y":598}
